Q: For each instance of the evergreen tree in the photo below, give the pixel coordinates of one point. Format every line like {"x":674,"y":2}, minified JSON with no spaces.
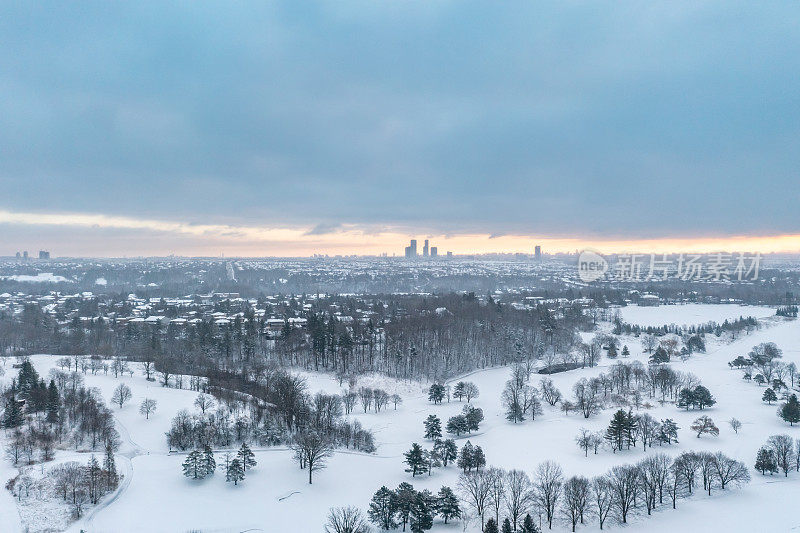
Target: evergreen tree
{"x":246,"y":456}
{"x":458,"y":390}
{"x":528,"y":526}
{"x":466,"y":457}
{"x":193,"y":465}
{"x":668,"y":431}
{"x":617,"y":431}
{"x":506,"y":526}
{"x":765,"y":461}
{"x":478,"y":458}
{"x":110,"y":468}
{"x":446,"y":450}
{"x":53,"y":402}
{"x":433,"y":427}
{"x":382,"y":509}
{"x":28,"y":379}
{"x":790,"y":410}
{"x":415,"y":459}
{"x":769,"y":396}
{"x":703,"y":397}
{"x":12,"y":416}
{"x":235,"y":471}
{"x":421,"y":516}
{"x":625,"y":351}
{"x":209,"y":465}
{"x":436,"y":393}
{"x":447,"y":504}
{"x":473,"y":416}
{"x":457,"y":425}
{"x":659,"y":357}
{"x":686,"y":398}
{"x":405,"y":497}
{"x":490,"y":527}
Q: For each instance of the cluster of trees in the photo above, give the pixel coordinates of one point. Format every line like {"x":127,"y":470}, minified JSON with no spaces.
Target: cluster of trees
{"x":375,"y":399}
{"x":201,"y":463}
{"x":699,"y":397}
{"x":77,"y":484}
{"x":623,"y":491}
{"x":519,"y":398}
{"x":787,"y":310}
{"x":40,"y":417}
{"x":762,"y":365}
{"x":734,"y":327}
{"x":626,"y":430}
{"x":779,"y":453}
{"x":444,"y":452}
{"x":405,"y":506}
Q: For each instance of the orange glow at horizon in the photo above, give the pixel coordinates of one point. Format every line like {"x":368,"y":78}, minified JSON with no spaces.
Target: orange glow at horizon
{"x":260,"y":241}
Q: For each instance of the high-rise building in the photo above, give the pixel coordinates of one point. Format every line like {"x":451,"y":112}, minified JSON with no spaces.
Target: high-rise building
{"x":44,"y":254}
{"x":537,"y":252}
{"x":434,"y":251}
{"x":425,"y":249}
{"x":19,"y":256}
{"x":25,"y":255}
{"x":411,"y":249}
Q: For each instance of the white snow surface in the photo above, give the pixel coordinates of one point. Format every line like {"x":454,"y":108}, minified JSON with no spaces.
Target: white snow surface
{"x":690,"y":314}
{"x":41,"y":277}
{"x":276,"y":496}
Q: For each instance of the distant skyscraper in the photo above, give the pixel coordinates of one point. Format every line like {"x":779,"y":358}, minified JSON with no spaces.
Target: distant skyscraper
{"x":411,"y":249}
{"x":434,"y":251}
{"x":449,"y":254}
{"x":19,"y":255}
{"x":425,"y":249}
{"x":537,"y":252}
{"x":44,"y":255}
{"x":25,"y":255}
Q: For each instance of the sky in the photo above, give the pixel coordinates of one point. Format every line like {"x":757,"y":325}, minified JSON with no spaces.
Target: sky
{"x":292,"y":128}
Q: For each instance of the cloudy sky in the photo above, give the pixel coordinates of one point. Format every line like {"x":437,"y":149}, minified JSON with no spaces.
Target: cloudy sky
{"x":289,"y":128}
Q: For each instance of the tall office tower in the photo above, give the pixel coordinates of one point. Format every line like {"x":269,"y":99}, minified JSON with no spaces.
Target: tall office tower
{"x":44,"y":255}
{"x":25,"y":255}
{"x":434,"y":251}
{"x":413,"y":247}
{"x":537,"y":252}
{"x":425,"y":249}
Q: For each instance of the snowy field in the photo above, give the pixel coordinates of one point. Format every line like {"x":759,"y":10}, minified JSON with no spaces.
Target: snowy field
{"x":276,"y":497}
{"x":690,"y":314}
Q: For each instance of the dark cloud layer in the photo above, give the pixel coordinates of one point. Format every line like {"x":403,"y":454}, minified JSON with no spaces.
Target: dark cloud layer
{"x":566,"y":118}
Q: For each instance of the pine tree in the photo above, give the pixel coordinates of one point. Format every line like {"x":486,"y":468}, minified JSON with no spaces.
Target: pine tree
{"x":433,"y":427}
{"x":235,"y":471}
{"x":686,"y":398}
{"x":790,"y":410}
{"x":446,"y":450}
{"x":616,"y":433}
{"x":703,"y":397}
{"x":28,"y":378}
{"x":447,"y":504}
{"x":421,"y":516}
{"x":490,"y":527}
{"x":457,"y":425}
{"x":528,"y":526}
{"x":436,"y":393}
{"x":246,"y":456}
{"x":765,"y":461}
{"x":209,"y":465}
{"x":12,"y":416}
{"x":382,"y":509}
{"x":625,"y":351}
{"x":53,"y":403}
{"x":668,"y":431}
{"x":466,"y":457}
{"x":415,"y":459}
{"x":405,"y":497}
{"x":506,"y":526}
{"x":478,"y":458}
{"x":769,"y":396}
{"x":193,"y":465}
{"x":110,"y":468}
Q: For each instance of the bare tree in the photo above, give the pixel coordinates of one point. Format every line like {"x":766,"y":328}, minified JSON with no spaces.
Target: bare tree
{"x":624,"y":481}
{"x":311,"y":450}
{"x":122,"y":395}
{"x":496,"y":478}
{"x":519,"y":495}
{"x":576,"y":499}
{"x":735,"y":424}
{"x":548,"y":484}
{"x":603,"y":496}
{"x":204,"y":402}
{"x":729,"y":470}
{"x":147,"y":407}
{"x":346,"y":520}
{"x":783,"y":447}
{"x":475,"y":487}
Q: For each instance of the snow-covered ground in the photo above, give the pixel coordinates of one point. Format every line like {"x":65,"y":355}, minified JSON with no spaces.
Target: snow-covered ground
{"x":690,"y":314}
{"x":276,"y":497}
